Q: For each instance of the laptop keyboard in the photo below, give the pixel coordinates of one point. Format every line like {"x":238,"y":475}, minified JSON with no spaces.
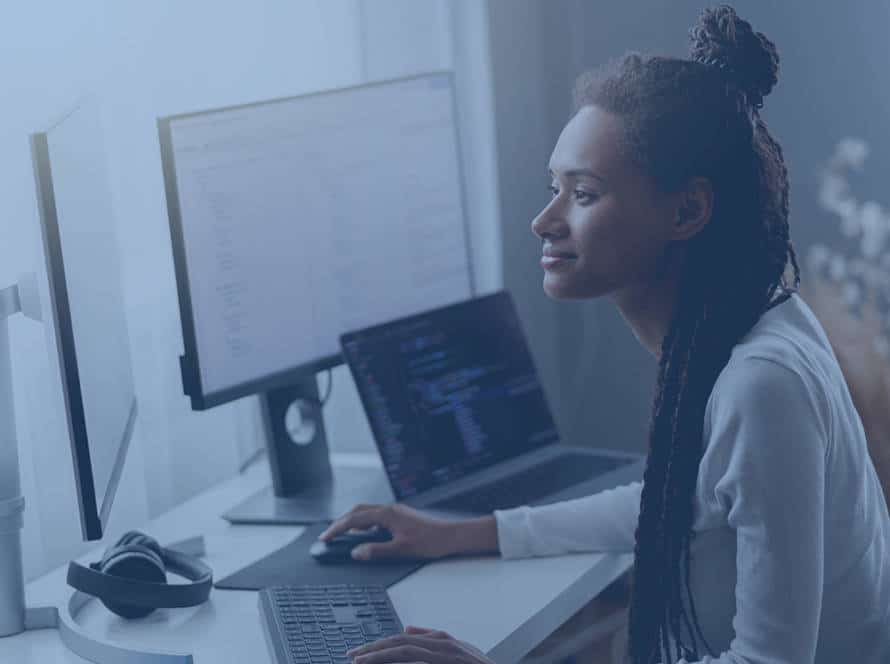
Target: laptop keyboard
{"x":532,"y":484}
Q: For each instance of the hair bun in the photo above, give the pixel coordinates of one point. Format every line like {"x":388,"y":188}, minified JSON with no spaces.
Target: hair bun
{"x":724,"y":40}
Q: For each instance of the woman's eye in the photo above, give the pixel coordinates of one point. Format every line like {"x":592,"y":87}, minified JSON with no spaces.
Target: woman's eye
{"x":554,"y":190}
{"x":584,"y":197}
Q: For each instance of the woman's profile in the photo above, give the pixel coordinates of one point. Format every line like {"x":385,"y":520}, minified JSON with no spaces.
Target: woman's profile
{"x":760,"y":532}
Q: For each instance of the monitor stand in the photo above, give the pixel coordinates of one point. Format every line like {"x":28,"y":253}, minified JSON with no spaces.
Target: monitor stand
{"x":305,"y":488}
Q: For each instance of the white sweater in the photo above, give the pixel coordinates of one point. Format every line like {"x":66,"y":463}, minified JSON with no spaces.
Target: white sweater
{"x":790,"y":563}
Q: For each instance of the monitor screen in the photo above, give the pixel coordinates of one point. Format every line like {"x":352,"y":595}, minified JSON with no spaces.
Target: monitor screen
{"x":87,"y":325}
{"x":449,"y":392}
{"x":298,"y":219}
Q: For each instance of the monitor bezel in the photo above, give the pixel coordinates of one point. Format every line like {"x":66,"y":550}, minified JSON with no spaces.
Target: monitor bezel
{"x":190,"y":364}
{"x":93,"y":516}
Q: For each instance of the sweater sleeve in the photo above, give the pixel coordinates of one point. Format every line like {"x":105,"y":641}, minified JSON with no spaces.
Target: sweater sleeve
{"x":605,"y":521}
{"x":767,"y":445}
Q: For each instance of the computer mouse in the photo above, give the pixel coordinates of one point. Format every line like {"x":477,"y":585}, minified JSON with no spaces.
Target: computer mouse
{"x":339,"y":549}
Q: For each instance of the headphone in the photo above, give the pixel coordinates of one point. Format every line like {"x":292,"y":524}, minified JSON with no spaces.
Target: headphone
{"x":131,"y":578}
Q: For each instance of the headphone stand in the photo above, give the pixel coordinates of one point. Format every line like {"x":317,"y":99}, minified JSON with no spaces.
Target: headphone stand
{"x":15,"y":617}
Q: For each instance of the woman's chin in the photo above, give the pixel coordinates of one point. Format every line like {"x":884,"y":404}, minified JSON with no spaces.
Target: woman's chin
{"x":558,"y":287}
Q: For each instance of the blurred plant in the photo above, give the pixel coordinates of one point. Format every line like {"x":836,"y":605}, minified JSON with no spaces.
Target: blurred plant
{"x":850,"y":292}
{"x":862,"y":272}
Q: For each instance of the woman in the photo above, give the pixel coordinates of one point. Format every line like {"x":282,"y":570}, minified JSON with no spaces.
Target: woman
{"x":760,"y":532}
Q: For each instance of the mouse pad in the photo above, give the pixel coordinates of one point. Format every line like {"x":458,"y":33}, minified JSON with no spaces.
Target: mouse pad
{"x":292,"y":565}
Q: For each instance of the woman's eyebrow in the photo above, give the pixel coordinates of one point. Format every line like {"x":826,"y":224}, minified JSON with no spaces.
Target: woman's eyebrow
{"x":575,"y":172}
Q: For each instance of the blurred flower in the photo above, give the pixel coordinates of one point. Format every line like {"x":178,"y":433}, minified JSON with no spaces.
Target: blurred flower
{"x":862,"y":275}
{"x":837,"y":267}
{"x":851,"y":152}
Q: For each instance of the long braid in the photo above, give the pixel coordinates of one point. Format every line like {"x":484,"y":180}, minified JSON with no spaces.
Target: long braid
{"x":672,"y":617}
{"x":672,"y":385}
{"x":673,"y":605}
{"x":676,"y":610}
{"x":686,"y":118}
{"x":679,"y":481}
{"x":685,"y":504}
{"x":646,"y":581}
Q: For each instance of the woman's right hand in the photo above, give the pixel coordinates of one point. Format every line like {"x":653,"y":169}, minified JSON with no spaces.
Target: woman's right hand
{"x":414,"y":534}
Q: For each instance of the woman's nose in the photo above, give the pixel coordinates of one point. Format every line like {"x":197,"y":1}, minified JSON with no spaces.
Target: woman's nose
{"x":548,"y":223}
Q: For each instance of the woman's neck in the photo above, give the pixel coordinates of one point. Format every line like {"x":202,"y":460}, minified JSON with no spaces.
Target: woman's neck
{"x":648,"y":309}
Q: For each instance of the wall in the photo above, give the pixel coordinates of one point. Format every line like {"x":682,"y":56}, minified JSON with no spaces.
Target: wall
{"x":145,"y":60}
{"x":533,"y":46}
{"x":399,"y":38}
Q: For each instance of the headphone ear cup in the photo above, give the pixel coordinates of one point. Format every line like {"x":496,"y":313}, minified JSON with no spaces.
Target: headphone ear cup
{"x":132,"y":561}
{"x":135,"y":537}
{"x":131,"y":541}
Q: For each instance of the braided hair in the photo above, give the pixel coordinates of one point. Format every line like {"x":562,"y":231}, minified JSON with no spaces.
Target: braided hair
{"x":685,"y":118}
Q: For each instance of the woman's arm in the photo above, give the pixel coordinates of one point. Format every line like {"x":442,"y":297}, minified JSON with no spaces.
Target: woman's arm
{"x":770,"y":436}
{"x":602,"y":522}
{"x":605,"y":521}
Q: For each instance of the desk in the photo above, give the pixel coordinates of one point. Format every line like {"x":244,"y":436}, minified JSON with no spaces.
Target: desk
{"x":505,"y":608}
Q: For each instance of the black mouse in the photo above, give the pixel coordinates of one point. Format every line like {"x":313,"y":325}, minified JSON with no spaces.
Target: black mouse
{"x":339,"y":549}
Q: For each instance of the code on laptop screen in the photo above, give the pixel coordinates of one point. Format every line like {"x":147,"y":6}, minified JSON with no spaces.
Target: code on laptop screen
{"x":449,"y":392}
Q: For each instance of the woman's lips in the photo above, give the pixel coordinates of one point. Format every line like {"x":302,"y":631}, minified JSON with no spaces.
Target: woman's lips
{"x":555,"y":262}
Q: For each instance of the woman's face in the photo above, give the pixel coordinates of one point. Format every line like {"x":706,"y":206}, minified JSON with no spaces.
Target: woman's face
{"x":606,"y":228}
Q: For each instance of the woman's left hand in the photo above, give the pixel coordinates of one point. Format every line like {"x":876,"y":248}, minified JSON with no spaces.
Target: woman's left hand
{"x":418,"y":646}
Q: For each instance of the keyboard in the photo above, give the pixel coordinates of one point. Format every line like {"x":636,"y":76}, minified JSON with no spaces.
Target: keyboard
{"x":532,"y":484}
{"x":318,"y":624}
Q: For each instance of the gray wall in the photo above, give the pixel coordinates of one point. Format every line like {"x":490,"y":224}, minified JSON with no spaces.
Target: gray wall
{"x":833,"y":83}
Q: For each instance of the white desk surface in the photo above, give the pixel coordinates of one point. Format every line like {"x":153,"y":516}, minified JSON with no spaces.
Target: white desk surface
{"x":505,"y":608}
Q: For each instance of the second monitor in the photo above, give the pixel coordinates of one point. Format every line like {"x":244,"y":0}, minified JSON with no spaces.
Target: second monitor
{"x":293,"y":221}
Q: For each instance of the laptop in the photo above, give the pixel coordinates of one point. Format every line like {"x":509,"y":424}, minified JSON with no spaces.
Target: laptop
{"x":460,"y":417}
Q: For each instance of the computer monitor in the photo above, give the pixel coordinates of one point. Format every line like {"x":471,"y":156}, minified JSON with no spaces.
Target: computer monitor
{"x":85,"y":318}
{"x":295,"y":220}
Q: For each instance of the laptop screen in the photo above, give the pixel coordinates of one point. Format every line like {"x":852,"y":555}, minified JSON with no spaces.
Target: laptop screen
{"x":449,"y":392}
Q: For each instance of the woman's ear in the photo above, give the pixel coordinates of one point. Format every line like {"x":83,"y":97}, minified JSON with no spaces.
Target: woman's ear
{"x":693,"y":209}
